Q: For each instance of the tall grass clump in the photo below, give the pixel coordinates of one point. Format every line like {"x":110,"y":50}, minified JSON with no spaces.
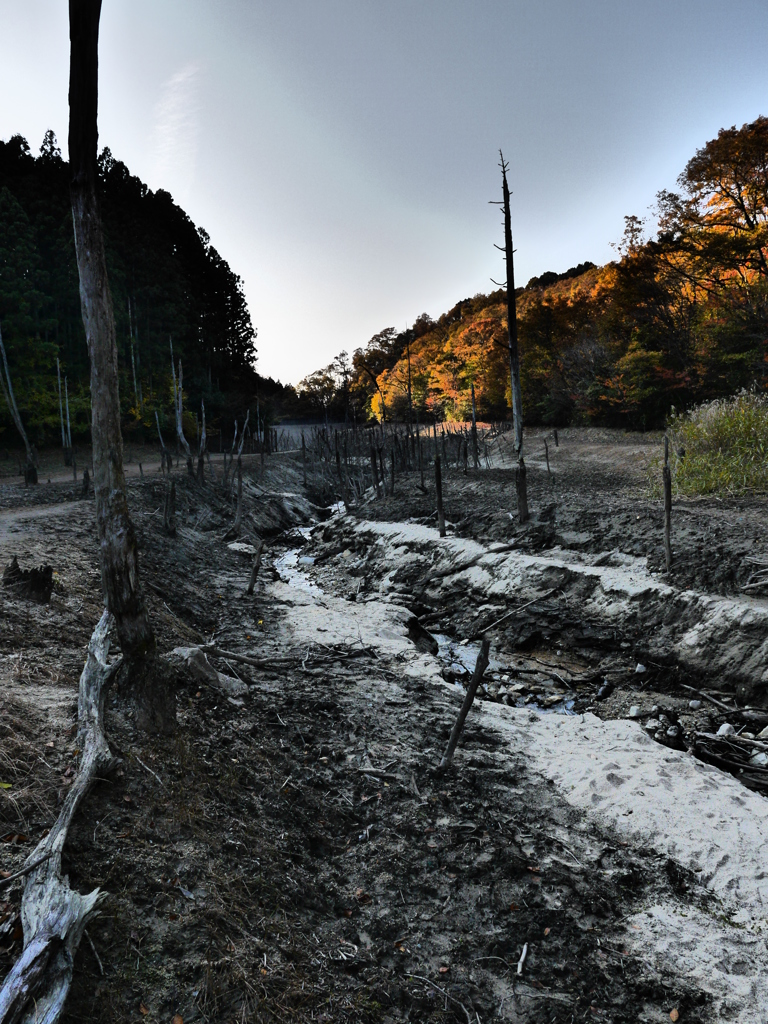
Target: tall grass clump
{"x":721,"y":447}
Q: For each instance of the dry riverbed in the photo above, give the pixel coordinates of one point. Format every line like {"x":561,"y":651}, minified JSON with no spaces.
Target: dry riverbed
{"x":293,"y":854}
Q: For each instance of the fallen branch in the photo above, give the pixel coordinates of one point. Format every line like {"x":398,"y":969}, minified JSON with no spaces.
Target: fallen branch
{"x":480,"y":666}
{"x":712,"y":700}
{"x":522,"y":608}
{"x":419,"y":977}
{"x":53,"y":916}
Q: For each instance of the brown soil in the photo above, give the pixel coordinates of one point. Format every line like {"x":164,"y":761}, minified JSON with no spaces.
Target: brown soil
{"x":292,"y":854}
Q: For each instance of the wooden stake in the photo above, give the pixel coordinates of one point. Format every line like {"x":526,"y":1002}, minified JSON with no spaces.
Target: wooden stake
{"x":522,"y":492}
{"x":480,"y":666}
{"x":667,"y":477}
{"x":255,"y":568}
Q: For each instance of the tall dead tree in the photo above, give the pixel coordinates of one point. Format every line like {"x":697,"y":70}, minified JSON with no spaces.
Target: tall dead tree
{"x":118,"y":552}
{"x":514,"y":355}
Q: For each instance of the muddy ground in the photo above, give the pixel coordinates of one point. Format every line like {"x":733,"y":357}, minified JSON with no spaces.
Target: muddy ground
{"x":293,"y":854}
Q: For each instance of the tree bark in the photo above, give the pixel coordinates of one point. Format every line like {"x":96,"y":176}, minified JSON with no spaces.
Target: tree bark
{"x":118,"y":552}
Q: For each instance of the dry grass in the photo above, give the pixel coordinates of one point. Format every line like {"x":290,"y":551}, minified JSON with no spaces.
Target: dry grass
{"x":721,"y":447}
{"x":28,"y":782}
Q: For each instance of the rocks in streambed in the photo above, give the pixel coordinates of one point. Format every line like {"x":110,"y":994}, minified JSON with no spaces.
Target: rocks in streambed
{"x":666,"y":728}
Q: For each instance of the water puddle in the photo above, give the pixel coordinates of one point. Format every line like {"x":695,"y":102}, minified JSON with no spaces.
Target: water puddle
{"x":290,"y":566}
{"x":458,"y":661}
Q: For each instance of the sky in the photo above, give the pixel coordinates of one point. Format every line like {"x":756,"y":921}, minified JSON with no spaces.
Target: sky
{"x":342,"y":154}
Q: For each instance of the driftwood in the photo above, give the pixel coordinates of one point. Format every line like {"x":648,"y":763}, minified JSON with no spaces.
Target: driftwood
{"x":52,"y":915}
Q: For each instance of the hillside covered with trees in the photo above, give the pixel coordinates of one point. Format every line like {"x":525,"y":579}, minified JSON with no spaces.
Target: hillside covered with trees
{"x":167,"y":281}
{"x":678,"y":318}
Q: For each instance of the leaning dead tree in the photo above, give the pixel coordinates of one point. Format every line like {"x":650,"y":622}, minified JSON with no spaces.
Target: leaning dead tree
{"x":118,"y":554}
{"x":30,"y":471}
{"x":514,"y":355}
{"x":52,"y":915}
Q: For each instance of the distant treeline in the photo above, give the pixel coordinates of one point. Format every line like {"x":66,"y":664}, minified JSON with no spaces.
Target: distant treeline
{"x":167,"y":281}
{"x":680,"y":317}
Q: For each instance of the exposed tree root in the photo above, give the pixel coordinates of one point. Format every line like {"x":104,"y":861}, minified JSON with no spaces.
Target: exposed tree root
{"x":53,"y":916}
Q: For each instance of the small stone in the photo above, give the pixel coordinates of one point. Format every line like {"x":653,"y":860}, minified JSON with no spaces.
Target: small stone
{"x":747,"y":735}
{"x":652,"y":724}
{"x":639,"y":669}
{"x":694,"y":705}
{"x":605,"y":691}
{"x":759,"y":760}
{"x":726,"y":729}
{"x":763,"y":734}
{"x":634,"y":711}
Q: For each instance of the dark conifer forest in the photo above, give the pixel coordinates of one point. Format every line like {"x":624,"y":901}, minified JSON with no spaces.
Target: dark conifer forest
{"x":168,"y":283}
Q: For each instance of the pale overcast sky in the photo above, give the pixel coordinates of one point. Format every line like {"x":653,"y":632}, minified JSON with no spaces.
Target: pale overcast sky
{"x":341,"y":154}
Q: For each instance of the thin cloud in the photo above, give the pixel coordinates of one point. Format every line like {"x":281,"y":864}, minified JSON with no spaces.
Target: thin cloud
{"x":176,"y":132}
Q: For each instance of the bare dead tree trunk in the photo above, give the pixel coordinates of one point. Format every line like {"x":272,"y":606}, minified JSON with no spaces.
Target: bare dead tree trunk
{"x":201,"y":453}
{"x":178,"y":413}
{"x":69,"y":456}
{"x":475,"y":449}
{"x":439,"y":489}
{"x":61,"y":410}
{"x":118,"y":552}
{"x":239,"y":512}
{"x":514,"y":355}
{"x":30,"y":472}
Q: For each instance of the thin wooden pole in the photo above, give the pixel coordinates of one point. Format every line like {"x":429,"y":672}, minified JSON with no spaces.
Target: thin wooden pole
{"x":439,"y":489}
{"x":667,"y":477}
{"x":480,"y":666}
